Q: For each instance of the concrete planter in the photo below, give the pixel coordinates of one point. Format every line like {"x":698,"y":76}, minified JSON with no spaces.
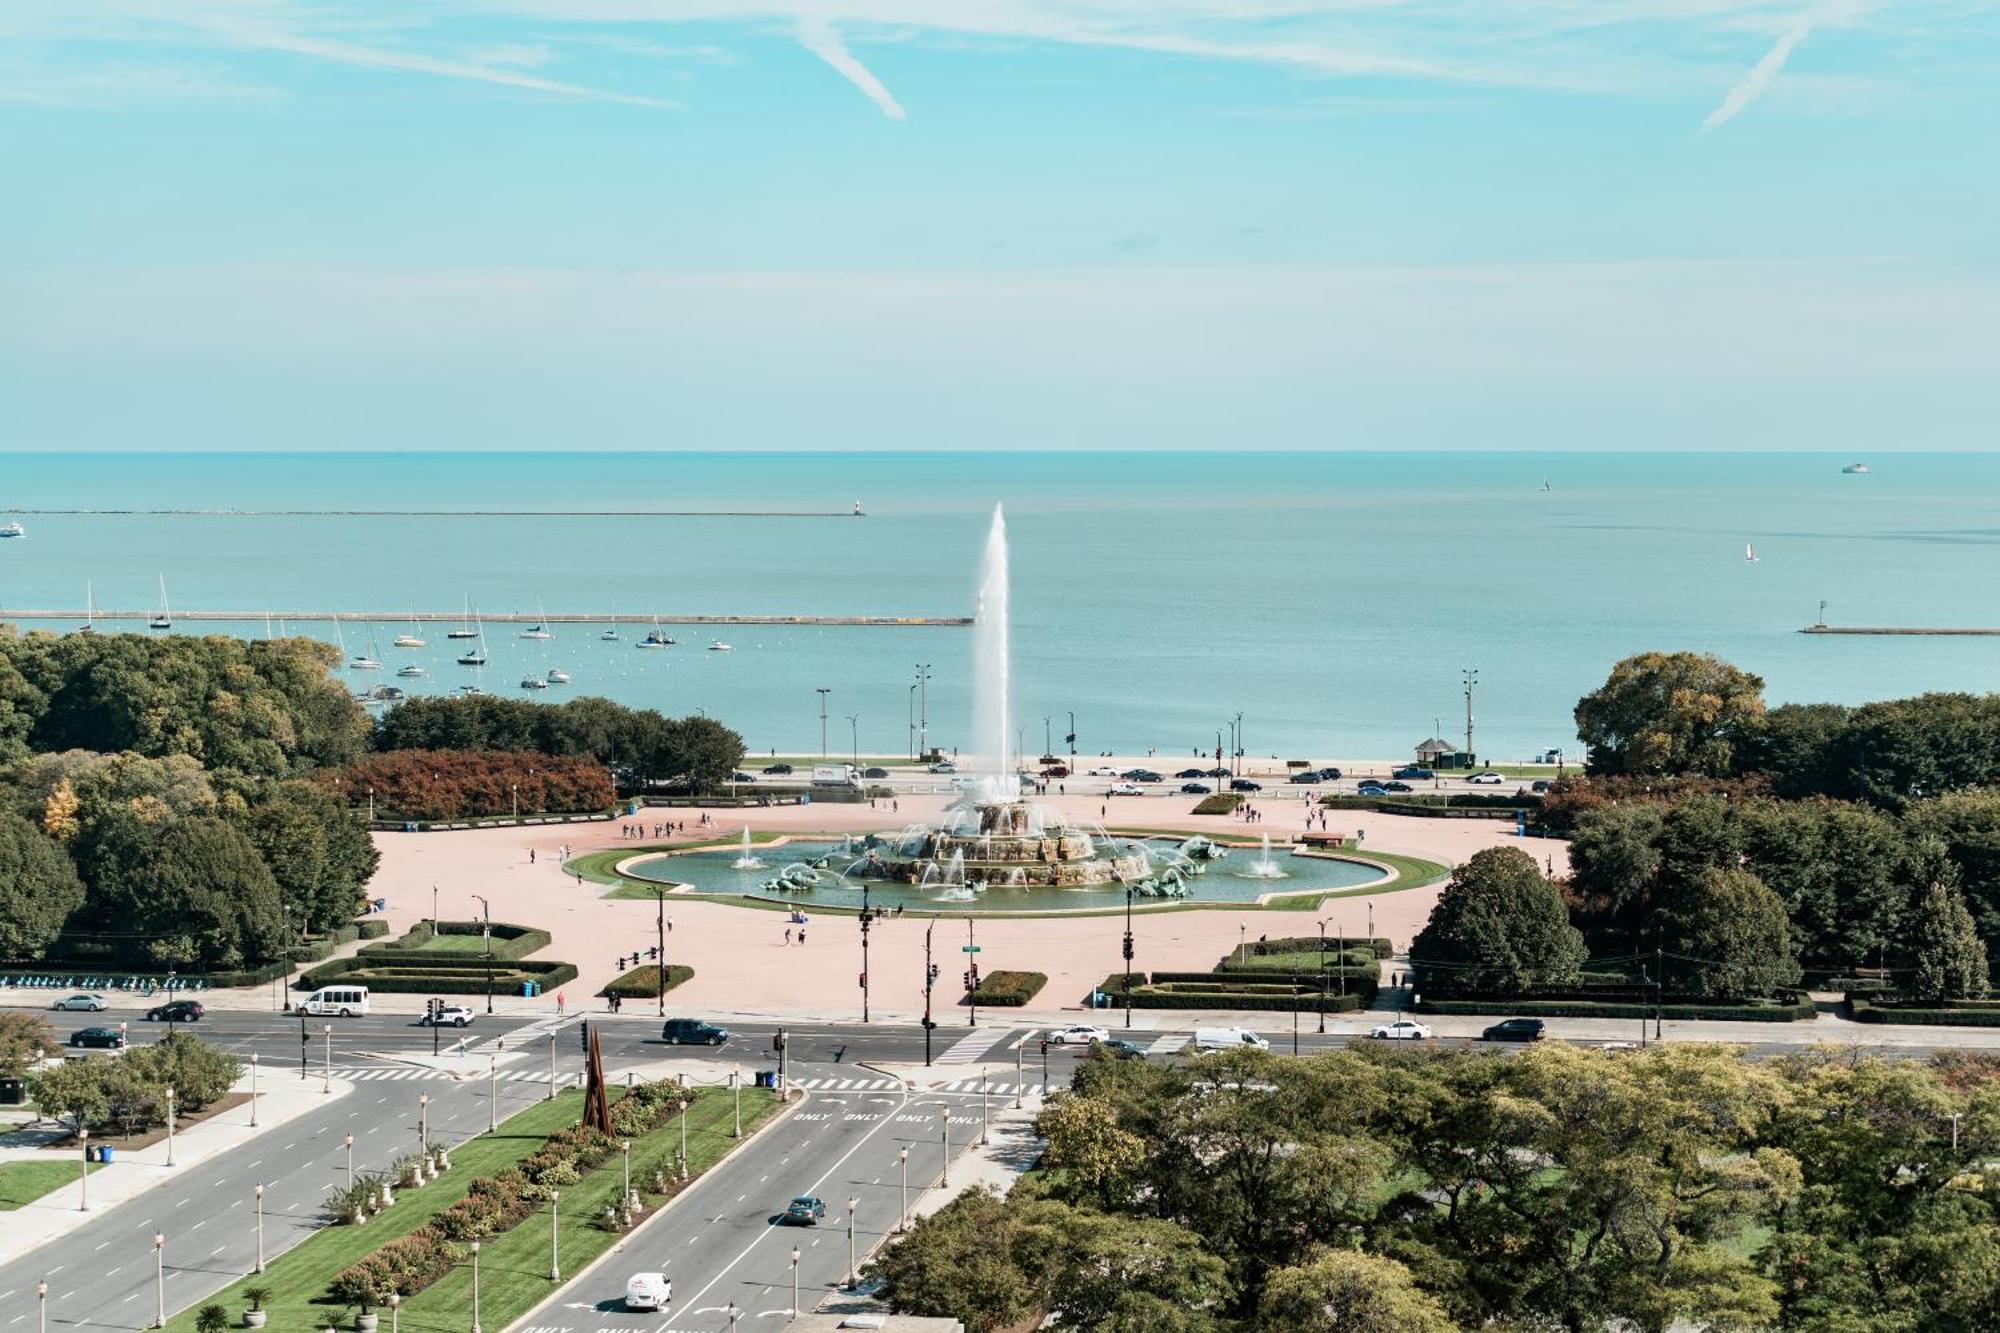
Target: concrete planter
{"x":255,"y":1318}
{"x":365,"y":1323}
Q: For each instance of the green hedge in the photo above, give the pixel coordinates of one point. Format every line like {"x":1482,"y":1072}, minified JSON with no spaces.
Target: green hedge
{"x":643,"y":983}
{"x":1380,"y":945}
{"x":1221,"y":803}
{"x":251,"y":976}
{"x":1008,"y":990}
{"x":1434,"y":803}
{"x":374,"y":928}
{"x":1208,"y":991}
{"x":1971,"y":1013}
{"x":437,"y":974}
{"x":1795,"y":1010}
{"x":510,"y":941}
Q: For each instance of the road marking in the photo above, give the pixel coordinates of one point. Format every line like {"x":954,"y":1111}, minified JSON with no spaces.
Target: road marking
{"x":101,"y":1246}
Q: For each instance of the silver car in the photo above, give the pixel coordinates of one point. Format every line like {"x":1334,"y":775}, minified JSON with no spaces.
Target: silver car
{"x":87,"y":1003}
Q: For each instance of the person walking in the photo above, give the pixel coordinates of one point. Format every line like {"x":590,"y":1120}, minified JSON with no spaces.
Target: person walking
{"x":788,"y":937}
{"x":560,"y":1002}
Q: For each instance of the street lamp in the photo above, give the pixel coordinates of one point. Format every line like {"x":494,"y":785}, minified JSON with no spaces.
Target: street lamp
{"x":326,"y":1070}
{"x":486,"y":934}
{"x":475,"y":1286}
{"x":160,"y":1280}
{"x":627,"y":1146}
{"x":944,"y":1134}
{"x":923,"y":709}
{"x":1128,"y":956}
{"x":853,"y":1278}
{"x":867,"y":919}
{"x":492,"y":1092}
{"x":83,"y":1180}
{"x":854,"y":736}
{"x":395,"y":1311}
{"x":555,"y":1235}
{"x":42,"y":1295}
{"x":1322,"y":976}
{"x":423,"y":1122}
{"x":795,"y":1283}
{"x":170,"y":1125}
{"x":660,"y":932}
{"x":903,"y":1218}
{"x":350,"y":1161}
{"x":736,"y":1088}
{"x":822,"y":691}
{"x":253,"y":1089}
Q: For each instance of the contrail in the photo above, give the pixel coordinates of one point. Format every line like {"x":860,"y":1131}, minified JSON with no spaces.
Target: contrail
{"x":1759,"y":78}
{"x":819,"y":37}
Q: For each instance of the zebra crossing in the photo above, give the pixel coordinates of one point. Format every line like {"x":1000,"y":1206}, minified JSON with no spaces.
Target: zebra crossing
{"x":423,"y":1073}
{"x":995,"y":1087}
{"x":974,"y":1046}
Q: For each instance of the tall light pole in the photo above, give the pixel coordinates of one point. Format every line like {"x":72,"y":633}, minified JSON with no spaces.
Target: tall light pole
{"x":903,"y":1218}
{"x":660,"y":934}
{"x":1128,"y":957}
{"x":350,"y":1161}
{"x":260,"y":1228}
{"x":486,"y":937}
{"x":555,"y":1235}
{"x":628,"y":1172}
{"x":1048,"y":746}
{"x":326,"y":1068}
{"x":913,"y":720}
{"x":923,"y":709}
{"x":853,"y":1278}
{"x":1471,"y":675}
{"x":83,"y":1179}
{"x":253,"y":1089}
{"x":944,"y":1133}
{"x":42,"y":1296}
{"x":170,"y":1125}
{"x":423,"y":1122}
{"x":1071,"y":738}
{"x":795,"y":1284}
{"x":868,"y":915}
{"x":822,"y":691}
{"x":736,"y":1089}
{"x":160,"y":1280}
{"x":475,"y":1285}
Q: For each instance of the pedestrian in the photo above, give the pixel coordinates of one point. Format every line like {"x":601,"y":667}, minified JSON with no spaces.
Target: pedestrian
{"x":788,"y":937}
{"x":670,"y":925}
{"x":802,"y":934}
{"x":531,"y":856}
{"x":560,"y":1002}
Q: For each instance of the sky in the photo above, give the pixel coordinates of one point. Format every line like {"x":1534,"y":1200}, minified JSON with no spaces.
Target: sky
{"x":884,"y":224}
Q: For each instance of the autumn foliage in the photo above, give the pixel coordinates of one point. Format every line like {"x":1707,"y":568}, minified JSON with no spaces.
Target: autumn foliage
{"x":466,"y":784}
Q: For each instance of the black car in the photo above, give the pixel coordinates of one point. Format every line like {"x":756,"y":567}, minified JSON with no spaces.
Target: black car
{"x":1216,"y":773}
{"x":1143,"y":775}
{"x":1117,"y":1048}
{"x":106,"y":1038}
{"x":740,"y":776}
{"x":777,"y":770}
{"x":1514,"y":1029}
{"x":1195,"y":789}
{"x":874,"y":772}
{"x":180,"y":1011}
{"x":1245,"y":784}
{"x":1329,"y":775}
{"x":692,"y":1032}
{"x":1394,"y":786}
{"x":1540,"y":785}
{"x":1304,"y":776}
{"x":1192,"y":773}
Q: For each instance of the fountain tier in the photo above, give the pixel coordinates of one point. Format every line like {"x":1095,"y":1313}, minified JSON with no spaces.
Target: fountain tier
{"x":1004,"y":842}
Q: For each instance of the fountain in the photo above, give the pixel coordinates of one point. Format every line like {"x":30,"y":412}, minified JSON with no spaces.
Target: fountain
{"x":1264,"y":867}
{"x":744,"y":860}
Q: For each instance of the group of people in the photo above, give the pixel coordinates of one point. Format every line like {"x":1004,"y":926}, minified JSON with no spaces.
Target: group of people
{"x":666,"y":830}
{"x":1251,"y":814}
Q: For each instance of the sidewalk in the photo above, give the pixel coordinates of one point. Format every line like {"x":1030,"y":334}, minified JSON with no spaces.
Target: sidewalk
{"x":133,"y":1173}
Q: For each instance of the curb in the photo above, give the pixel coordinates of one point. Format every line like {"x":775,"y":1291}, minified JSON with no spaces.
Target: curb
{"x":791,"y":1105}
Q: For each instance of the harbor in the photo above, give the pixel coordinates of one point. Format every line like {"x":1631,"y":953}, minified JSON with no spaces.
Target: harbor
{"x":83,"y":614}
{"x":1941,"y":630}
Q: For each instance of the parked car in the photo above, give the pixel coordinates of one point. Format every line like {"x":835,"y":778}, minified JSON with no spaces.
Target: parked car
{"x":875,"y":773}
{"x":1078,"y":1034}
{"x":1102,"y":771}
{"x":777,"y":770}
{"x":1244,"y":784}
{"x":944,"y":766}
{"x":1055,"y":771}
{"x":1403,"y":1029}
{"x":1414,"y":773}
{"x":180,"y":1011}
{"x":1196,"y":788}
{"x":1487,"y":779}
{"x":1117,"y":1048}
{"x":449,"y":1016}
{"x":648,"y":1291}
{"x":805,"y":1211}
{"x":1514,"y":1029}
{"x":1124,"y":789}
{"x":105,"y":1038}
{"x":1192,"y":773}
{"x":87,"y":1003}
{"x":692,"y":1032}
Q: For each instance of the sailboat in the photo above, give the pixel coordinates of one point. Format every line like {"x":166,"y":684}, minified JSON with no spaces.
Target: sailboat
{"x":89,"y":625}
{"x":656,"y":637}
{"x":360,"y":661}
{"x":475,"y":657}
{"x":557,"y":676}
{"x":165,"y":618}
{"x":538,"y":630}
{"x":1750,"y":552}
{"x":533,"y":682}
{"x":609,"y":635}
{"x":410,"y":669}
{"x":412,"y":639}
{"x":1545,"y":484}
{"x":718,"y":646}
{"x":465,"y":629}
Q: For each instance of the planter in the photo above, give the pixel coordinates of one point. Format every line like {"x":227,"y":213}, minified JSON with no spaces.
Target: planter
{"x":255,"y":1318}
{"x":365,"y":1323}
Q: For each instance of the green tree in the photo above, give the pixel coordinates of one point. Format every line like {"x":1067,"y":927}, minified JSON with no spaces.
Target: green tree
{"x":1499,"y":928}
{"x":315,"y":847}
{"x":1947,"y":960}
{"x":1669,"y":713}
{"x":1347,"y":1291}
{"x":1614,"y":864}
{"x":1727,"y":936}
{"x":76,"y":1091}
{"x":1799,"y":748}
{"x":39,"y":889}
{"x":1906,"y":749}
{"x":1100,"y":1269}
{"x":1088,"y":1146}
{"x":958,"y":1264}
{"x":25,"y":1039}
{"x":198,"y":1073}
{"x":1842,"y":871}
{"x":1967,"y":825}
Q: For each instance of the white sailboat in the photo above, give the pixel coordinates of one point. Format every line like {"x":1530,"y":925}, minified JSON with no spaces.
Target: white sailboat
{"x":538,"y":630}
{"x":412,"y":639}
{"x":656,"y":637}
{"x":475,"y":657}
{"x":360,"y":661}
{"x":1750,"y":552}
{"x":609,"y":635}
{"x":718,"y":646}
{"x":165,"y":618}
{"x":89,"y":625}
{"x":12,"y":530}
{"x":465,"y":629}
{"x":557,"y":676}
{"x":410,"y":669}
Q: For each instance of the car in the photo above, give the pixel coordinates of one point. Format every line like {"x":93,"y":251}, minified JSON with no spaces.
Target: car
{"x":944,"y":766}
{"x":449,"y":1016}
{"x":1192,"y":773}
{"x":106,"y":1038}
{"x":1077,"y":1034}
{"x":180,"y":1011}
{"x":1055,"y":771}
{"x":874,"y":772}
{"x":1514,"y":1029}
{"x":692,"y":1032}
{"x":777,"y":770}
{"x":1148,"y":775}
{"x":1244,"y":784}
{"x":1304,"y":776}
{"x":969,"y":784}
{"x":87,"y":1003}
{"x":1117,"y":1048}
{"x":1215,"y":773}
{"x":1413,"y":773}
{"x":740,"y":776}
{"x":1487,"y":779}
{"x":1329,"y":775}
{"x":1540,"y":785}
{"x":1374,"y":789}
{"x":648,"y":1291}
{"x":1132,"y":774}
{"x":1403,"y":1029}
{"x":805,"y":1211}
{"x":1393,"y":785}
{"x":1196,"y":789}
{"x":1102,"y":771}
{"x":1123,"y":789}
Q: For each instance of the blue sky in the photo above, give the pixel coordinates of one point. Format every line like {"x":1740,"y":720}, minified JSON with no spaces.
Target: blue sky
{"x":886,"y":224}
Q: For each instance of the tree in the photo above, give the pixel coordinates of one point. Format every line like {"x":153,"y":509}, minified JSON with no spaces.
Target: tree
{"x":26,"y":1039}
{"x":1499,"y":928}
{"x":1799,"y":747}
{"x":958,"y":1264}
{"x":196,"y":895}
{"x":1347,"y":1291}
{"x":315,"y":846}
{"x":38,"y":889}
{"x":1099,"y":1270}
{"x":1669,"y":713}
{"x":1727,"y":936}
{"x":1947,"y":960}
{"x":1905,"y":749}
{"x":1086,"y":1144}
{"x":1614,"y":862}
{"x":197,"y":1072}
{"x":76,"y":1091}
{"x":1841,"y":869}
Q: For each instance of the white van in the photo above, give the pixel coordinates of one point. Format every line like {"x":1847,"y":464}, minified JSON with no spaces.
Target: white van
{"x":344,"y":1001}
{"x":1228,"y":1039}
{"x":648,"y":1291}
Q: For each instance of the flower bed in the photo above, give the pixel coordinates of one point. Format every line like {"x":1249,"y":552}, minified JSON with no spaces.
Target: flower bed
{"x":1008,"y":990}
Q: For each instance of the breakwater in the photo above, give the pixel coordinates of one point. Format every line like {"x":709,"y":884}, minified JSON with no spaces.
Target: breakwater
{"x":490,"y":618}
{"x":1943,"y":630}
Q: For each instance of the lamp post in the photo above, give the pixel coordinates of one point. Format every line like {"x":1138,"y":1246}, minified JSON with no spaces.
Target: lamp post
{"x":795,"y":1284}
{"x":930,"y":980}
{"x":260,"y":1228}
{"x":555,"y":1235}
{"x":1128,"y":957}
{"x":903,"y":1218}
{"x":423,"y":1122}
{"x":434,"y":910}
{"x":853,"y":1279}
{"x":822,"y":691}
{"x":923,"y":709}
{"x":913,"y":720}
{"x":486,"y":935}
{"x":684,"y":1138}
{"x":944,"y":1133}
{"x":627,"y":1146}
{"x":170,"y":1126}
{"x":350,"y":1161}
{"x":514,"y":797}
{"x":660,"y":933}
{"x":736,"y":1088}
{"x":253,"y":1089}
{"x":83,"y":1178}
{"x":854,"y":738}
{"x":475,"y":1286}
{"x":159,"y":1280}
{"x":326,"y":1069}
{"x":492,"y":1092}
{"x":867,"y":919}
{"x":395,"y":1312}
{"x":42,"y":1308}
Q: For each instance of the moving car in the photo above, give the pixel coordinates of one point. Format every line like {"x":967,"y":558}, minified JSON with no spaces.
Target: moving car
{"x":874,"y":773}
{"x":1078,"y":1034}
{"x":1395,"y":786}
{"x":1103,"y":772}
{"x":1228,"y":1039}
{"x":345,"y":1001}
{"x":1540,"y":785}
{"x":1376,"y":789}
{"x":180,"y":1011}
{"x":1118,"y":1049}
{"x":1329,"y":775}
{"x":1196,"y":788}
{"x":1487,"y":779}
{"x":87,"y":1003}
{"x":1403,"y":1029}
{"x":1414,"y":773}
{"x":1215,"y":773}
{"x":1514,"y":1029}
{"x":740,"y":776}
{"x":1192,"y":773}
{"x":777,"y":770}
{"x":1124,"y":789}
{"x":692,"y":1032}
{"x":108,"y":1038}
{"x":1303,"y":776}
{"x":1055,"y":770}
{"x":449,"y":1016}
{"x":1244,"y":784}
{"x":805,"y":1211}
{"x":944,"y":766}
{"x":648,"y":1291}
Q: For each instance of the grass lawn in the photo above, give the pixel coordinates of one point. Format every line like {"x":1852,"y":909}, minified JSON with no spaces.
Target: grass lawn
{"x":514,"y":1268}
{"x":473,"y":944}
{"x":25,"y":1182}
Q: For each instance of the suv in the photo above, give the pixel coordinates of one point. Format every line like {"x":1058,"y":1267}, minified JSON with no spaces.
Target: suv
{"x":777,"y":770}
{"x":448,"y":1015}
{"x":1412,"y":773}
{"x":1304,"y":775}
{"x":1514,"y":1029}
{"x":1244,"y":784}
{"x":180,"y":1011}
{"x":692,"y":1032}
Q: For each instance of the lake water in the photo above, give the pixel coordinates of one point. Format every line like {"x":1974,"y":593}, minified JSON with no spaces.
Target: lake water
{"x":1331,"y":599}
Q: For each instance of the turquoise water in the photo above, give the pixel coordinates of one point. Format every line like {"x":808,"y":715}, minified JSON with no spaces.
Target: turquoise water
{"x":1222,"y":882}
{"x":1331,"y":599}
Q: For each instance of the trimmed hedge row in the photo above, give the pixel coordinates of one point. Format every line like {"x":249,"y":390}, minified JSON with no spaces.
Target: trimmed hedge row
{"x":1975,"y":1014}
{"x":1221,"y":803}
{"x":1796,"y":1010}
{"x":1380,"y":945}
{"x":510,"y":941}
{"x":437,"y":974}
{"x":1208,"y":991}
{"x":643,"y":983}
{"x":1007,"y":990}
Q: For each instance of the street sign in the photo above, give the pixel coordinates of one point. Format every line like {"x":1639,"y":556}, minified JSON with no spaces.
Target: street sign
{"x":968,"y":948}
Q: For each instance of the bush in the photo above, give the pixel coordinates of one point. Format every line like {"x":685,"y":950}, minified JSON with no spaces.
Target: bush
{"x":643,"y":983}
{"x":1793,"y":1009}
{"x":1221,"y":803}
{"x":1380,"y":945}
{"x":1007,"y":990}
{"x":461,"y":784}
{"x":1198,"y":990}
{"x":374,"y":928}
{"x":437,"y":974}
{"x":510,"y":942}
{"x":1965,"y":1013}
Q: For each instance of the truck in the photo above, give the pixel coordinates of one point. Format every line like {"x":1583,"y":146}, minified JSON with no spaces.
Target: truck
{"x":835,"y":775}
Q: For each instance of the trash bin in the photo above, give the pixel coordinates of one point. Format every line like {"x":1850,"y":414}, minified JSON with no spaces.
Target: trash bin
{"x":104,"y":1153}
{"x":529,"y":989}
{"x":767,"y":1078}
{"x":13,"y":1091}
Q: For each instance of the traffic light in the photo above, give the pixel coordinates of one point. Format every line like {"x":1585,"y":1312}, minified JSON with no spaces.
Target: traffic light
{"x":583,"y":1035}
{"x":967,"y":974}
{"x":778,"y":1040}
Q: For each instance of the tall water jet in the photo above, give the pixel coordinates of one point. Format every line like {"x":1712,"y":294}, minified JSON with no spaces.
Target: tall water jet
{"x":746,"y":859}
{"x":1264,"y":867}
{"x":992,"y":684}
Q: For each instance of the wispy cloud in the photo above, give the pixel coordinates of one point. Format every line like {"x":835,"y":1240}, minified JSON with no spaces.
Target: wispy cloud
{"x":820,"y":38}
{"x":1764,"y":71}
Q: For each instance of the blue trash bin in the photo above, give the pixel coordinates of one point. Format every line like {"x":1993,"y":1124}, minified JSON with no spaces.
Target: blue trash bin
{"x":528,"y":988}
{"x":104,"y":1153}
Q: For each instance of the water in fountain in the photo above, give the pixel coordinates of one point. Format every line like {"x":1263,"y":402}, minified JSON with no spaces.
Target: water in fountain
{"x":992,"y":691}
{"x":1264,"y":867}
{"x":744,"y":860}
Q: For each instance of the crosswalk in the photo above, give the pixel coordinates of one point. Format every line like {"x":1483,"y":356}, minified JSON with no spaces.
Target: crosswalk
{"x":1168,"y":1043}
{"x":423,"y":1073}
{"x":974,"y":1046}
{"x":995,"y":1087}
